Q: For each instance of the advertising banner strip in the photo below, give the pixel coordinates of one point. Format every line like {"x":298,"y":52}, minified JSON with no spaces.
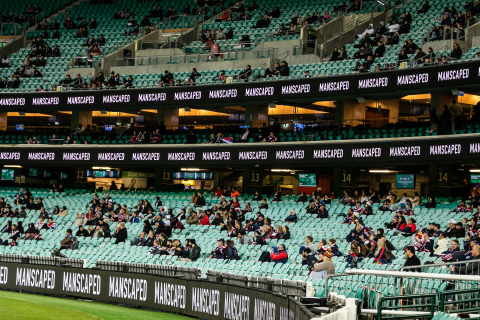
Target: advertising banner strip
{"x":202,"y":299}
{"x":430,"y":150}
{"x":423,"y":79}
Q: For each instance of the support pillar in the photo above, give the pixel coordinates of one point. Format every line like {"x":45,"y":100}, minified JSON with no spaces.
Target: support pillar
{"x":3,"y":121}
{"x":255,"y":116}
{"x":339,"y":111}
{"x":432,"y":180}
{"x":440,"y":99}
{"x":83,"y":117}
{"x":337,"y":180}
{"x":169,"y":117}
{"x":157,"y":181}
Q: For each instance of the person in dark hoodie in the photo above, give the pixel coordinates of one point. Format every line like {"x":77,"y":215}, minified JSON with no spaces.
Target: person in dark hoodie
{"x":20,"y":227}
{"x":431,"y":203}
{"x":150,"y":239}
{"x":7,"y":228}
{"x":258,"y":239}
{"x":82,"y":232}
{"x":147,"y":227}
{"x":106,"y":231}
{"x":31,"y":228}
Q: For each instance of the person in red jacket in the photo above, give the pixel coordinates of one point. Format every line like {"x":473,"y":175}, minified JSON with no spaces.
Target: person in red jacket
{"x":218,"y":193}
{"x":279,"y":255}
{"x":410,"y":227}
{"x":204,"y":221}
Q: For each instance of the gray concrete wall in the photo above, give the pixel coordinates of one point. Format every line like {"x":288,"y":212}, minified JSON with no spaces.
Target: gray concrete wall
{"x":444,"y":45}
{"x":13,"y":46}
{"x":185,"y":67}
{"x":282,"y":46}
{"x":109,"y":60}
{"x":158,"y":52}
{"x":349,"y":35}
{"x":306,"y":58}
{"x":330,"y":28}
{"x":84,"y":72}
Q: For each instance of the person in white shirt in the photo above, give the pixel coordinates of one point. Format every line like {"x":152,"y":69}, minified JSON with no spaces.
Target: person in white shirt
{"x":79,"y":129}
{"x":245,"y":136}
{"x":5,"y":62}
{"x":220,"y":35}
{"x":394,"y":27}
{"x":369,"y":30}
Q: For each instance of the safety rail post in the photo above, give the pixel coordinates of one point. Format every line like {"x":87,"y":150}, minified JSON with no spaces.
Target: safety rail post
{"x":444,"y":303}
{"x":432,"y":305}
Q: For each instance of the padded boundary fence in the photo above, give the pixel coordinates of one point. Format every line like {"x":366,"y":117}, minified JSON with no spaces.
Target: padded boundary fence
{"x":174,"y":293}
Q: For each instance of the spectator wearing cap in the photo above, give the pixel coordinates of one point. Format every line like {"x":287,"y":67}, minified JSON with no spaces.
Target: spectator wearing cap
{"x":193,"y":219}
{"x":258,"y":239}
{"x":324,"y":266}
{"x":220,"y":251}
{"x":251,"y":225}
{"x":436,"y":230}
{"x":74,"y":244}
{"x":231,"y":251}
{"x":307,"y":74}
{"x":412,"y":259}
{"x":279,"y":255}
{"x":322,"y":212}
{"x":65,"y":243}
{"x":455,"y":230}
{"x":354,"y":234}
{"x":308,"y":259}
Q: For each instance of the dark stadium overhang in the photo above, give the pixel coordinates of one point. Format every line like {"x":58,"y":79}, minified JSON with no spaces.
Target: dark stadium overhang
{"x":456,"y":149}
{"x":373,"y":85}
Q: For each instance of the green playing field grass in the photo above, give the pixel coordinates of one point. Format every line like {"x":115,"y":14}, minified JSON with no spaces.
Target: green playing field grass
{"x":22,"y":306}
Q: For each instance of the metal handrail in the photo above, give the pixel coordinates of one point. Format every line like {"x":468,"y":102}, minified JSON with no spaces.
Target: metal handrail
{"x":432,"y":304}
{"x":184,"y":57}
{"x":441,"y":265}
{"x":457,"y":302}
{"x":360,"y":19}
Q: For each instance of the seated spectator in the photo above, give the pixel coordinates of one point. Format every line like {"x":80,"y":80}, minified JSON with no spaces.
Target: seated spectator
{"x":472,"y":268}
{"x":261,"y":23}
{"x":358,"y":251}
{"x":404,"y":28}
{"x":220,"y":251}
{"x":65,"y":243}
{"x":225,"y":16}
{"x":365,"y":66}
{"x":446,"y":21}
{"x":334,"y":56}
{"x":456,"y":52}
{"x":292,"y":217}
{"x":322,"y":212}
{"x":380,"y":51}
{"x":364,"y":52}
{"x":431,"y":203}
{"x":120,"y":233}
{"x":354,"y":234}
{"x":369,"y":31}
{"x":323,"y":267}
{"x":279,"y":255}
{"x":448,"y":255}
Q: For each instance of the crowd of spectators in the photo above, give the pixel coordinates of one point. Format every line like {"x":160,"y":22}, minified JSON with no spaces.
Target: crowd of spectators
{"x":159,"y":222}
